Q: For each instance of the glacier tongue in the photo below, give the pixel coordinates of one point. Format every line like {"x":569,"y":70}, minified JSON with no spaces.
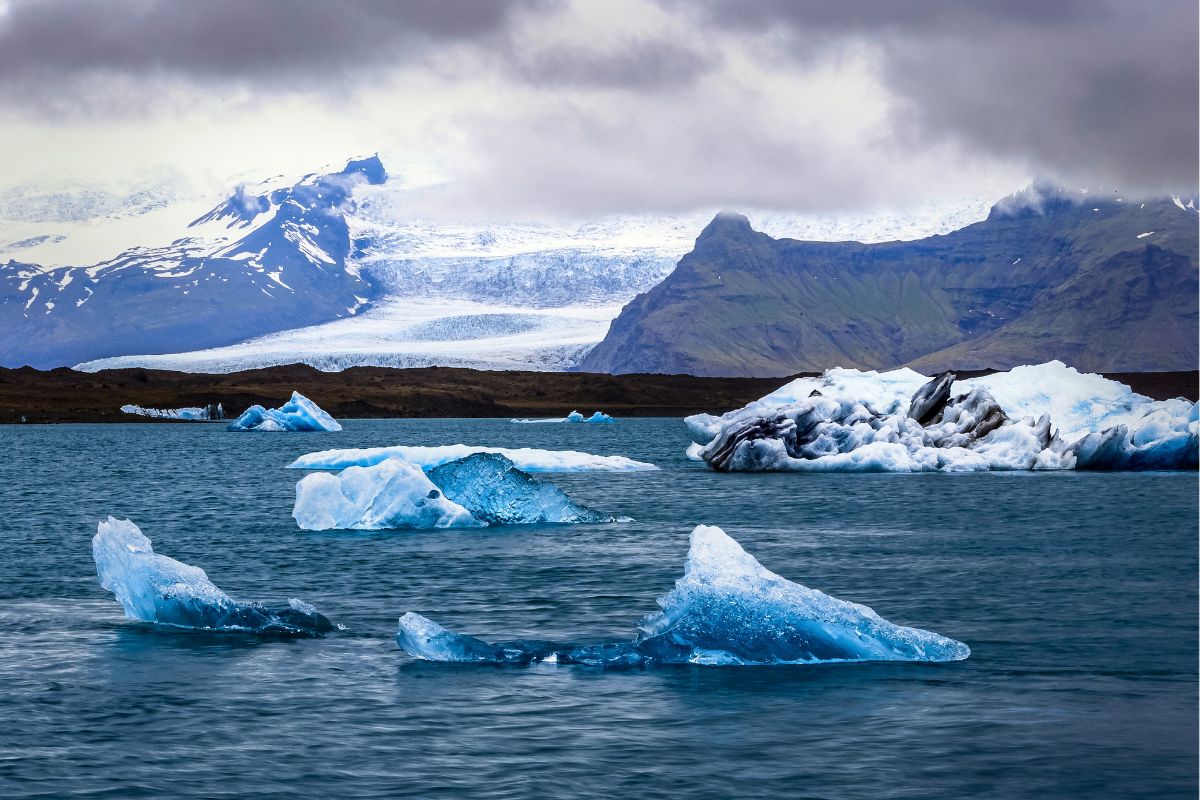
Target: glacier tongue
{"x":726,"y":610}
{"x":900,"y":421}
{"x":154,"y":588}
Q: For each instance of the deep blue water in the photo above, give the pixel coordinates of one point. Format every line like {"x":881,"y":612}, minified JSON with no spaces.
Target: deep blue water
{"x":1076,"y":592}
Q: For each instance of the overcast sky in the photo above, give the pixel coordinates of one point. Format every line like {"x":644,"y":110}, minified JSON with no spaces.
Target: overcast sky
{"x":528,"y":107}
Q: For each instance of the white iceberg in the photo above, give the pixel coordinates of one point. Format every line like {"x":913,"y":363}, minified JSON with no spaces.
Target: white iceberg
{"x":298,"y":414}
{"x":726,"y":610}
{"x":191,"y":414}
{"x":155,"y":588}
{"x":574,"y":416}
{"x":1048,"y":416}
{"x":392,"y":494}
{"x":529,"y":459}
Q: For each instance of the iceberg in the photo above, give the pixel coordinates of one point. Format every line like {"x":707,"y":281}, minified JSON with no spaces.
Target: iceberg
{"x":491,"y":487}
{"x":1044,"y":417}
{"x":213,"y":411}
{"x":726,"y":610}
{"x":528,"y":459}
{"x":479,"y":490}
{"x":297,"y":414}
{"x":574,"y":416}
{"x":155,"y":588}
{"x":392,"y":494}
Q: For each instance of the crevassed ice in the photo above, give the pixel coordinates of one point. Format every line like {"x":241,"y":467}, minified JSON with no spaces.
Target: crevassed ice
{"x":726,"y":610}
{"x":392,"y":494}
{"x":298,"y":414}
{"x":155,"y":588}
{"x":1048,"y":416}
{"x":528,"y":459}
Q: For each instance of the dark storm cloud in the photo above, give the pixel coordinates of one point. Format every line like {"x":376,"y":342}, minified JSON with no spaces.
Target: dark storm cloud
{"x":1100,"y":88}
{"x":638,"y":64}
{"x":52,"y":48}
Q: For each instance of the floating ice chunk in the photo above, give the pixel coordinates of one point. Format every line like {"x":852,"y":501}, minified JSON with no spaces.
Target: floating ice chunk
{"x":155,"y":588}
{"x":1003,"y":421}
{"x":298,"y":414}
{"x":495,"y":491}
{"x":727,"y":609}
{"x":209,"y":412}
{"x":574,"y":416}
{"x":392,"y":494}
{"x":525,"y":458}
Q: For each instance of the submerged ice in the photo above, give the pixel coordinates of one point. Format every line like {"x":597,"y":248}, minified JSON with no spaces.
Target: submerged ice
{"x":727,"y":609}
{"x":155,"y":588}
{"x":480,"y":489}
{"x":1038,"y":417}
{"x":529,"y":459}
{"x":298,"y":414}
{"x":491,"y":487}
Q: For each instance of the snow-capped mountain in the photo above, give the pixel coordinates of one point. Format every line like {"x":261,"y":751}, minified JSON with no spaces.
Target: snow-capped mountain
{"x":328,"y":270}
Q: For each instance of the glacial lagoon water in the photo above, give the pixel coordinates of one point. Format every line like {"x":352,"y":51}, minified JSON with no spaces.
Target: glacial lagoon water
{"x":1076,"y":593}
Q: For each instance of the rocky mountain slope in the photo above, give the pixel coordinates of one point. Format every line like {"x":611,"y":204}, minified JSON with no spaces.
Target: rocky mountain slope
{"x":1101,"y":283}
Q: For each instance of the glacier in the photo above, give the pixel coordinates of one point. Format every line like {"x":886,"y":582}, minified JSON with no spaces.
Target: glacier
{"x":472,"y":492}
{"x":574,"y":416}
{"x":210,"y":412}
{"x":1040,"y":417}
{"x":155,"y":588}
{"x":491,"y":487}
{"x":726,"y":610}
{"x":529,"y":459}
{"x":391,"y":494}
{"x":297,"y":414}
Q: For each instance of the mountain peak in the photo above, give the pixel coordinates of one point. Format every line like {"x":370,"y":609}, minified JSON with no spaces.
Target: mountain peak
{"x":727,"y":223}
{"x":370,"y":167}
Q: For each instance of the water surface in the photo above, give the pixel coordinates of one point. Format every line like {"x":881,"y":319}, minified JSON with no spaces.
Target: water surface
{"x":1076,"y":592}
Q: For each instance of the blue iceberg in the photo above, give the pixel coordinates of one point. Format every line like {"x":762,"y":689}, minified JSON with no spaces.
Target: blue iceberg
{"x":156,"y":588}
{"x":726,"y":610}
{"x":529,"y":459}
{"x":393,"y":494}
{"x":298,"y":414}
{"x":491,"y":487}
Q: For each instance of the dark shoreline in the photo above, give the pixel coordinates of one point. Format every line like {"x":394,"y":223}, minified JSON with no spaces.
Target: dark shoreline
{"x":64,"y":395}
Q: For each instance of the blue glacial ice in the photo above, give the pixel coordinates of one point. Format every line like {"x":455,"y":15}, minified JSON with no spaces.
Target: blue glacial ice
{"x":574,"y":416}
{"x":392,"y":494}
{"x":156,"y":588}
{"x":528,"y":459}
{"x":479,"y":490}
{"x":1044,"y":417}
{"x":726,"y":610}
{"x":491,"y":487}
{"x":298,"y":414}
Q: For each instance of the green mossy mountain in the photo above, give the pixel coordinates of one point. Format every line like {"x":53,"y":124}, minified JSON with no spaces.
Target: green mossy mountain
{"x":1047,"y":276}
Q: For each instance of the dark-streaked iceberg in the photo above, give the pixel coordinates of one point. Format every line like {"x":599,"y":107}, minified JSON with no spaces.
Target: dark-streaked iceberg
{"x":529,"y":459}
{"x":1044,"y":417}
{"x":297,"y":414}
{"x":211,"y":412}
{"x":726,"y":610}
{"x":156,"y":588}
{"x":491,"y":487}
{"x":481,"y":489}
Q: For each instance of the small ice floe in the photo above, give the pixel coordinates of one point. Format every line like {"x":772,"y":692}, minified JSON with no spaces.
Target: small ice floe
{"x":213,"y":411}
{"x":1044,"y":417}
{"x":529,"y":459}
{"x":574,"y":416}
{"x":298,"y":414}
{"x":478,"y":490}
{"x":726,"y":610}
{"x":155,"y":588}
{"x":1144,"y":235}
